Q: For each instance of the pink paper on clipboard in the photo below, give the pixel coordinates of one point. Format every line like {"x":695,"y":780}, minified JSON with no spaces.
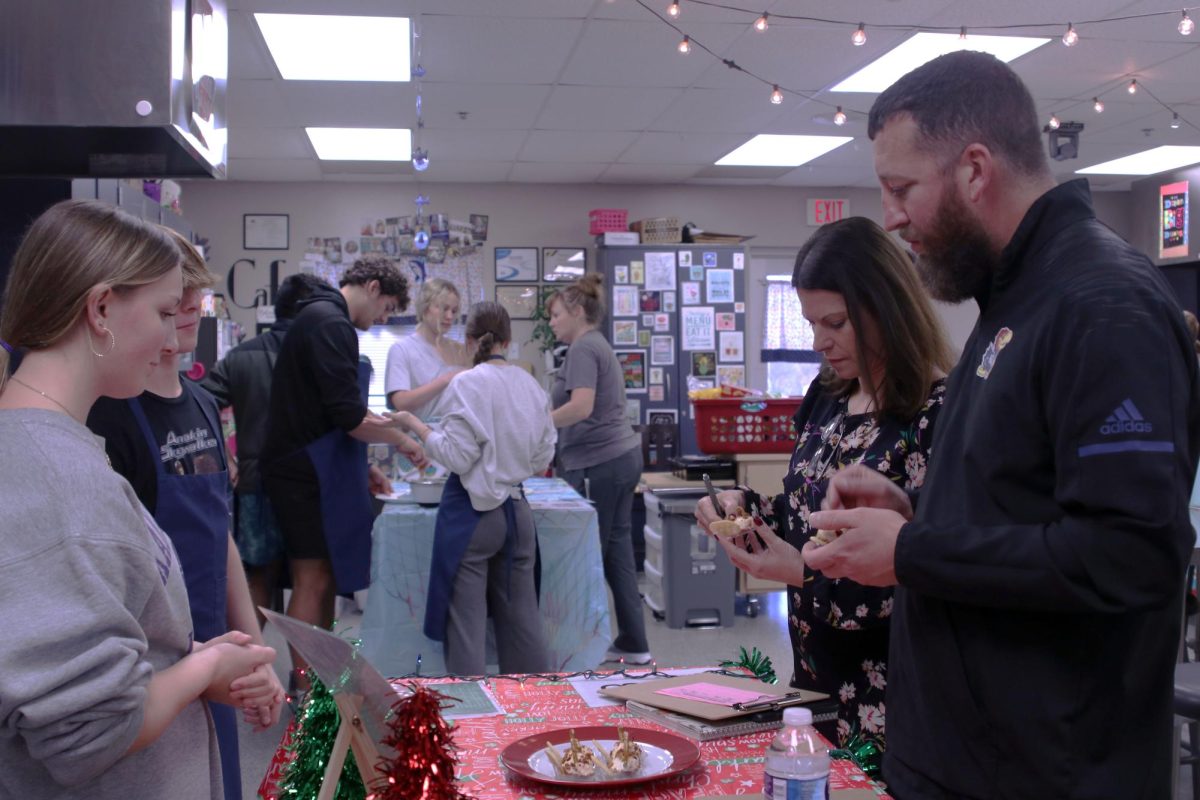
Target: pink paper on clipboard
{"x":713,"y":693}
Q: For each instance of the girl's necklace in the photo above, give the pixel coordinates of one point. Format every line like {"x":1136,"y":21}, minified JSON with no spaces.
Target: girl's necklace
{"x":43,"y":394}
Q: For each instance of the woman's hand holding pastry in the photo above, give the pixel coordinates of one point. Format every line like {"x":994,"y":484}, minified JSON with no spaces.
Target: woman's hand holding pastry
{"x":759,"y":552}
{"x":865,"y":552}
{"x":730,"y":500}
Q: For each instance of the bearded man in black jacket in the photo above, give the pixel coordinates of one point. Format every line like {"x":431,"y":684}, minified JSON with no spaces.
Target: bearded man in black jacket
{"x":1040,"y":576}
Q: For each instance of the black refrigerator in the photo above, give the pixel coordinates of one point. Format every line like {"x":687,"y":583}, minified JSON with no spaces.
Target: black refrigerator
{"x":675,"y":312}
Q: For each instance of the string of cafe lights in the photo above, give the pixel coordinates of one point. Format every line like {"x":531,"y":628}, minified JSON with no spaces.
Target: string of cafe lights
{"x":420,"y":156}
{"x":760,"y":23}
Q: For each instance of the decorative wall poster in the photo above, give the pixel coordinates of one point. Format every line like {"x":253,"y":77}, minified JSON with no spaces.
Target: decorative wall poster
{"x":710,"y":259}
{"x":704,"y":364}
{"x":621,"y":273}
{"x":691,"y":293}
{"x":696,"y":326}
{"x":633,"y":411}
{"x":1173,"y":232}
{"x":656,"y":374}
{"x":647,"y":320}
{"x":637,"y":273}
{"x":333,"y":251}
{"x":726,"y":321}
{"x":656,"y":394}
{"x":696,"y":273}
{"x":662,"y":323}
{"x":633,"y":367}
{"x":563,"y":263}
{"x":660,"y":271}
{"x":351,"y":246}
{"x":668,"y":301}
{"x":479,"y":226}
{"x":662,"y":416}
{"x":436,"y":252}
{"x":650,"y":301}
{"x":685,"y":258}
{"x":625,"y":332}
{"x":519,"y":301}
{"x":739,"y":260}
{"x":731,"y":375}
{"x":662,"y":351}
{"x":720,"y":286}
{"x":732,"y":345}
{"x":517,"y":264}
{"x":739,"y":308}
{"x":625,"y":301}
{"x":643,"y":338}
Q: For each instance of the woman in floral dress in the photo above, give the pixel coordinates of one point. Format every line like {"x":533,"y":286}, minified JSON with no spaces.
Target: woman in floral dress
{"x":875,"y":403}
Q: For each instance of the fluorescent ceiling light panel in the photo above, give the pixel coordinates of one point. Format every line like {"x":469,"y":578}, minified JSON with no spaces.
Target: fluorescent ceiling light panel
{"x":1148,"y":162}
{"x":361,"y":144}
{"x":779,"y":150}
{"x":923,"y":47}
{"x":319,"y":47}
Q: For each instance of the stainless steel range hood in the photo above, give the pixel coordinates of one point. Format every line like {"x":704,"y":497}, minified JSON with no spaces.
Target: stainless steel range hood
{"x":118,"y":88}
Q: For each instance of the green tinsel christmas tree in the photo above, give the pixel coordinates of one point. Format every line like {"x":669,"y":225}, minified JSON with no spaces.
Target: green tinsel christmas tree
{"x":310,"y":746}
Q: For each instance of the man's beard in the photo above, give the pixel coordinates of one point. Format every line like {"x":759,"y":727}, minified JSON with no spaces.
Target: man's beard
{"x":958,"y":260}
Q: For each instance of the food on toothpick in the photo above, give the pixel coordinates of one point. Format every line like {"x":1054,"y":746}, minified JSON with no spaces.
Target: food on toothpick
{"x":738,"y":522}
{"x":578,"y":761}
{"x":626,"y":754}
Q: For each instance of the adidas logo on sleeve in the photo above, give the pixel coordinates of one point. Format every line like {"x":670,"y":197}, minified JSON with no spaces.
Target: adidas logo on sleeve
{"x":1125,"y":418}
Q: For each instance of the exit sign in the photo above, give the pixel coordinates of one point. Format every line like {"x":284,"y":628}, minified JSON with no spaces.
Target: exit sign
{"x":823,"y":211}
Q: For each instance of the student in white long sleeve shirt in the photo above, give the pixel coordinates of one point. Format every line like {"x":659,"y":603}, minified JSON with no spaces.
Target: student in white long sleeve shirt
{"x":495,"y":432}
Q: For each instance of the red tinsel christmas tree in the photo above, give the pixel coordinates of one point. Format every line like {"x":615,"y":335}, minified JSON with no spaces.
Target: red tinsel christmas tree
{"x":423,"y":768}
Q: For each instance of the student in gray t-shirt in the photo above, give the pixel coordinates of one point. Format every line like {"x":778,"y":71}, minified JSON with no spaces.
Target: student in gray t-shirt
{"x":599,"y":452}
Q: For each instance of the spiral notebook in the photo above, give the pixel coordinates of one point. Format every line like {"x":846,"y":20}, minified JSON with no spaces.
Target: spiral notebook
{"x":702,"y":729}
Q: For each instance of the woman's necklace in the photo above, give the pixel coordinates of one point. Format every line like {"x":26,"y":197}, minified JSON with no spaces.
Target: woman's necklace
{"x":43,"y":394}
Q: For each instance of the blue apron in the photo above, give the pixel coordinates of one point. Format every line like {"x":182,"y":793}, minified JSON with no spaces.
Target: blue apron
{"x":193,"y":510}
{"x":340,"y":462}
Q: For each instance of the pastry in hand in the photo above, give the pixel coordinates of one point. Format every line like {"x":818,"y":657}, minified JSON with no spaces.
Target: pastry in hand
{"x":822,"y":537}
{"x":737,"y":523}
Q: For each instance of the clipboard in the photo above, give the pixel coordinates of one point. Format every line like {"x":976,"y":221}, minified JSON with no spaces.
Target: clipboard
{"x":775,"y":697}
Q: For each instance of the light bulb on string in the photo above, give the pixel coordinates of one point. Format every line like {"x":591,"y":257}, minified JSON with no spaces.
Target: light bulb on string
{"x":1071,"y":36}
{"x":418,"y":71}
{"x":1186,"y":26}
{"x":685,"y":46}
{"x":760,"y":24}
{"x":420,"y":159}
{"x":1098,"y":104}
{"x":776,"y":95}
{"x":839,"y":117}
{"x":1175,"y":121}
{"x":962,"y":33}
{"x":1053,"y":123}
{"x":1132,"y":87}
{"x":673,"y":11}
{"x":859,"y":37}
{"x":421,"y":239}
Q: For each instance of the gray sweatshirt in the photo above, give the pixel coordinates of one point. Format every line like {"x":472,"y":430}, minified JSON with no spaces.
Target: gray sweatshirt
{"x":92,"y":602}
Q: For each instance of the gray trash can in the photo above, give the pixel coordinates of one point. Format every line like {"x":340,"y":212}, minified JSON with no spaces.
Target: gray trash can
{"x":689,"y":579}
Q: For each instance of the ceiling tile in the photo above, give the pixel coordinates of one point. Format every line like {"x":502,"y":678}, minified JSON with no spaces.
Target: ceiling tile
{"x":701,"y":149}
{"x":575,"y":146}
{"x":613,"y":53}
{"x":604,"y":108}
{"x":274,"y":169}
{"x":648,"y":173}
{"x":744,"y":110}
{"x":488,"y":49}
{"x":534,"y":172}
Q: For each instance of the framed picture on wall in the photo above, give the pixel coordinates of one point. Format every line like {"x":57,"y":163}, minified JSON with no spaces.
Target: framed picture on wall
{"x":516,"y":265}
{"x":563,"y":263}
{"x":633,"y":368}
{"x":519,"y":301}
{"x":264,"y":231}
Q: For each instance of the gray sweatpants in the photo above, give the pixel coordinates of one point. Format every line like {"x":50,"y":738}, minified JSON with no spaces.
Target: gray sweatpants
{"x":484,"y":584}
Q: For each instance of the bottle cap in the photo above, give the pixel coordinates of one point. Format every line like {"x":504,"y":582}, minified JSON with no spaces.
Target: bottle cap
{"x":797,"y":716}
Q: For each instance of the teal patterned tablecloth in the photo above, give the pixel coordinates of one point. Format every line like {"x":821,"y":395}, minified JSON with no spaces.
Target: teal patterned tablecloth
{"x":574,"y":599}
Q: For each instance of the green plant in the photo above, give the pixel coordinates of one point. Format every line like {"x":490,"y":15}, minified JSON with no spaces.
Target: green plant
{"x":542,"y":334}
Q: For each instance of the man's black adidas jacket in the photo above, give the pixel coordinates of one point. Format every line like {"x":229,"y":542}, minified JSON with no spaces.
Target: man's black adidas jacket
{"x":1041,"y":580}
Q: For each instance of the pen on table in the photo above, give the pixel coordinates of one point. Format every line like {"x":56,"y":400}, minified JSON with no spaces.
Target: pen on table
{"x":712,"y":495}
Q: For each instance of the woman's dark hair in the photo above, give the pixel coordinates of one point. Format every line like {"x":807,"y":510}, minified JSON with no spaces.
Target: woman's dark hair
{"x":295,"y":289}
{"x":966,"y":97}
{"x":392,"y":282}
{"x":587,"y":292}
{"x":856,"y":258}
{"x":489,"y":325}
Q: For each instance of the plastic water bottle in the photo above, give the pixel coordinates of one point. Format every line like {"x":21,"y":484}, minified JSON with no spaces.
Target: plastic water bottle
{"x":797,"y":761}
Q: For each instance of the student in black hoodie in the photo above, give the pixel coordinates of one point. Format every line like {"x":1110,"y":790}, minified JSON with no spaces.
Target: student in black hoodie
{"x":1039,"y":580}
{"x":314,"y":460}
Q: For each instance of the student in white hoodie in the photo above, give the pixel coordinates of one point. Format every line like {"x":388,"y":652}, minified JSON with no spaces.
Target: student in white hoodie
{"x":495,"y":431}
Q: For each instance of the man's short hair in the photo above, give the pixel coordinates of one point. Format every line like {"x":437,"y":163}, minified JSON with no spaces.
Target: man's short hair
{"x":966,"y":97}
{"x":295,"y":289}
{"x":392,"y":282}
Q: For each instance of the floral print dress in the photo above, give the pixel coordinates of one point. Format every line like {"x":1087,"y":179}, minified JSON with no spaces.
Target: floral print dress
{"x":839,"y":628}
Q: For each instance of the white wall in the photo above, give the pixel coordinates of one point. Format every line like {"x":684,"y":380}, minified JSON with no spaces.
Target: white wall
{"x":538,"y":215}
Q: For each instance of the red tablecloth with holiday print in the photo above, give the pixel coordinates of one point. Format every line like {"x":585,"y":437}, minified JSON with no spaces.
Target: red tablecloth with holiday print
{"x":727,"y":767}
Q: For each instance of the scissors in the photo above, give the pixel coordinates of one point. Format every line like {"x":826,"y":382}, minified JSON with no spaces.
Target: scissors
{"x":712,"y":495}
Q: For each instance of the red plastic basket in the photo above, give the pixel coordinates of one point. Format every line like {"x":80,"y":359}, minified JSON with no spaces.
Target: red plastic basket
{"x":746,"y":424}
{"x":602,"y":220}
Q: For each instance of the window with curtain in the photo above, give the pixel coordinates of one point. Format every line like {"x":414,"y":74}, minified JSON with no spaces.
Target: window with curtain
{"x":787,"y":342}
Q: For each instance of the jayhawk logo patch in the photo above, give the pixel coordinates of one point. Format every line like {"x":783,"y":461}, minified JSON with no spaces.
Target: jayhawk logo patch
{"x":1003,"y":337}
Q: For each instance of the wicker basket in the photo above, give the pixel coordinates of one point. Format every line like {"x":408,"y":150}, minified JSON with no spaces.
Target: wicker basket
{"x":604,"y":220}
{"x":746,"y":424}
{"x":659,"y":230}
